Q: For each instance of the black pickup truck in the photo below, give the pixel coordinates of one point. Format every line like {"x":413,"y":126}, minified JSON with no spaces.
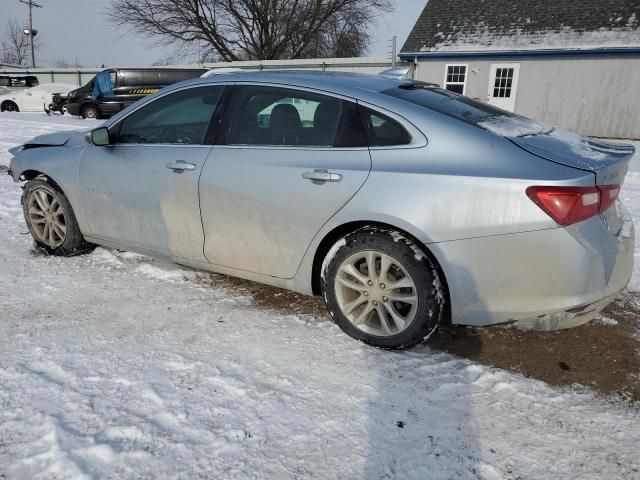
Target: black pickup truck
{"x":127,"y":86}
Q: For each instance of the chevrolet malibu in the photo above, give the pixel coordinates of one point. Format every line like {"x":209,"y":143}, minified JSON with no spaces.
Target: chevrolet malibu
{"x":402,"y":204}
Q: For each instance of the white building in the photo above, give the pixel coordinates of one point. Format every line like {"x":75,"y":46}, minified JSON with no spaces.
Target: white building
{"x":574,"y":64}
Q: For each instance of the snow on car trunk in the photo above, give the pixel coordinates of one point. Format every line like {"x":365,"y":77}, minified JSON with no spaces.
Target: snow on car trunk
{"x":608,"y":160}
{"x":114,"y":365}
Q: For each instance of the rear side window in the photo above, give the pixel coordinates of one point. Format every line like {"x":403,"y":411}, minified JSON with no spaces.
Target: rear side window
{"x":178,"y":118}
{"x":383,"y":131}
{"x":447,"y":102}
{"x":286,"y":117}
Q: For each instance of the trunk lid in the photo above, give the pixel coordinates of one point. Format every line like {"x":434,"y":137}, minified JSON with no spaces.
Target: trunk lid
{"x":607,"y":160}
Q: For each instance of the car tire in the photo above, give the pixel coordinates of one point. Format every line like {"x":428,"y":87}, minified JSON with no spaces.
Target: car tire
{"x":90,"y":111}
{"x":9,"y":106}
{"x":399,"y":305}
{"x":51,"y":220}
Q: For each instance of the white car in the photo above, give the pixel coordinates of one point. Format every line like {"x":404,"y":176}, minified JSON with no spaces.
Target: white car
{"x":33,"y":99}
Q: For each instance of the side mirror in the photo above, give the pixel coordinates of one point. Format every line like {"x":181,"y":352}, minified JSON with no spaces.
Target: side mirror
{"x":100,"y":136}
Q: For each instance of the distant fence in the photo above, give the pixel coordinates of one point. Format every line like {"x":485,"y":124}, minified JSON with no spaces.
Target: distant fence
{"x":80,"y":76}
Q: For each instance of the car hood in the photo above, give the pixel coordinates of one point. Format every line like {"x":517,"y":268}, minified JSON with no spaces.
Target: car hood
{"x":609,"y":161}
{"x":58,"y":139}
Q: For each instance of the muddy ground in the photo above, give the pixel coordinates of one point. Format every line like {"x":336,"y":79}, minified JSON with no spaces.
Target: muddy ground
{"x":603,"y":355}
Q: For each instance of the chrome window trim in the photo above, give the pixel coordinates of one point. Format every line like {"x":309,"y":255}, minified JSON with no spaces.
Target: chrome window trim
{"x":292,"y":147}
{"x":418,"y":139}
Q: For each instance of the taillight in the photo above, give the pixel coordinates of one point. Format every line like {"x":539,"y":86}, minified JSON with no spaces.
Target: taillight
{"x":608,"y":197}
{"x":569,"y":205}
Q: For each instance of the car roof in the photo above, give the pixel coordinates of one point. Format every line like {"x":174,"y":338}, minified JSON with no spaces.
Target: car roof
{"x":338,"y":82}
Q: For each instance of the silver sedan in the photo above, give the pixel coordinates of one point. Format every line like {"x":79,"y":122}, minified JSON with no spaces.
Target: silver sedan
{"x":402,"y":204}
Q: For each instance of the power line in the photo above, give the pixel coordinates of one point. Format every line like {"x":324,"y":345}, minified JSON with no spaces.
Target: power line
{"x":32,"y":33}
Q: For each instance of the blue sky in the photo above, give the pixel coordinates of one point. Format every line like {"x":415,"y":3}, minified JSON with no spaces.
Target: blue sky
{"x":77,"y":28}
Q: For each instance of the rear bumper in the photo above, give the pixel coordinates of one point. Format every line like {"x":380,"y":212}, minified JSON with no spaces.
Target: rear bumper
{"x":543,"y":279}
{"x":567,"y":319}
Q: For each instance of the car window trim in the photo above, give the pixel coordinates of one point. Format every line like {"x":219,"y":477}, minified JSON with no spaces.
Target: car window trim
{"x":215,"y":123}
{"x":225,"y":129}
{"x":114,"y":129}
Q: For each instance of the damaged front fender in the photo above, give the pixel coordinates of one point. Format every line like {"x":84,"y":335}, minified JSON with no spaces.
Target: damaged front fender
{"x":53,"y":154}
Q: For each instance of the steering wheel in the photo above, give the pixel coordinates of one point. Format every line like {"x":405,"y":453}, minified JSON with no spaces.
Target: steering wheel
{"x":172,"y":134}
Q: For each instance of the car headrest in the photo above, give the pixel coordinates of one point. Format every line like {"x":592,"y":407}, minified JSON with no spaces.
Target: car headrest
{"x":285,"y":117}
{"x":325,"y":116}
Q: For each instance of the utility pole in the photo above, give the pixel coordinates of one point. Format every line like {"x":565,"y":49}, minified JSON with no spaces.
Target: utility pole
{"x":32,"y":33}
{"x":394,"y":52}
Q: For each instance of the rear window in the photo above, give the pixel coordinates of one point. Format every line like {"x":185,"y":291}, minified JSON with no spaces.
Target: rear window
{"x":448,"y":103}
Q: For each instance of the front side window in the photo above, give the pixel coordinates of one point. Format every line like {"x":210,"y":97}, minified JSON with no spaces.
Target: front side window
{"x":285,"y":117}
{"x":455,"y":78}
{"x":180,"y":118}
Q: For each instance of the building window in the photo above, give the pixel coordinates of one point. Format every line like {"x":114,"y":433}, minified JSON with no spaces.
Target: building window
{"x":456,"y":78}
{"x":503,"y":83}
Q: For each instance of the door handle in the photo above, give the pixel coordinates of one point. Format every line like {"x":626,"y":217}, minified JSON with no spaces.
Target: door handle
{"x":321,"y":176}
{"x":180,"y":166}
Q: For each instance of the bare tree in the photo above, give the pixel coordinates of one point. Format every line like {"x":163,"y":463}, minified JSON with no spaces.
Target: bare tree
{"x":254,"y":29}
{"x":14,"y":45}
{"x":343,"y":35}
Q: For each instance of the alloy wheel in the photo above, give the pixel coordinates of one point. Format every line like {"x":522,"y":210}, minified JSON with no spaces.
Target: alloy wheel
{"x":376,"y":293}
{"x":47,"y":219}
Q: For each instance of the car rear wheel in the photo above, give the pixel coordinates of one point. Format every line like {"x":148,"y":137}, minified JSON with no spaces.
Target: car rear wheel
{"x":380,"y":288}
{"x":51,"y":220}
{"x":9,"y":107}
{"x":90,"y":111}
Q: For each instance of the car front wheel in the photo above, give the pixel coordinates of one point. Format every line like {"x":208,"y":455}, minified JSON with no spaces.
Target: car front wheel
{"x":382,"y":289}
{"x":51,"y":220}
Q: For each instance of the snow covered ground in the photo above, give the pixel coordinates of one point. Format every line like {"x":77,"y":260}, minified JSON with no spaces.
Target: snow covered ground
{"x":116,"y":366}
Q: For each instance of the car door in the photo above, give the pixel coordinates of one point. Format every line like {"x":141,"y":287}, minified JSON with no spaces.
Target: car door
{"x":286,"y":160}
{"x":142,"y":190}
{"x":31,"y":100}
